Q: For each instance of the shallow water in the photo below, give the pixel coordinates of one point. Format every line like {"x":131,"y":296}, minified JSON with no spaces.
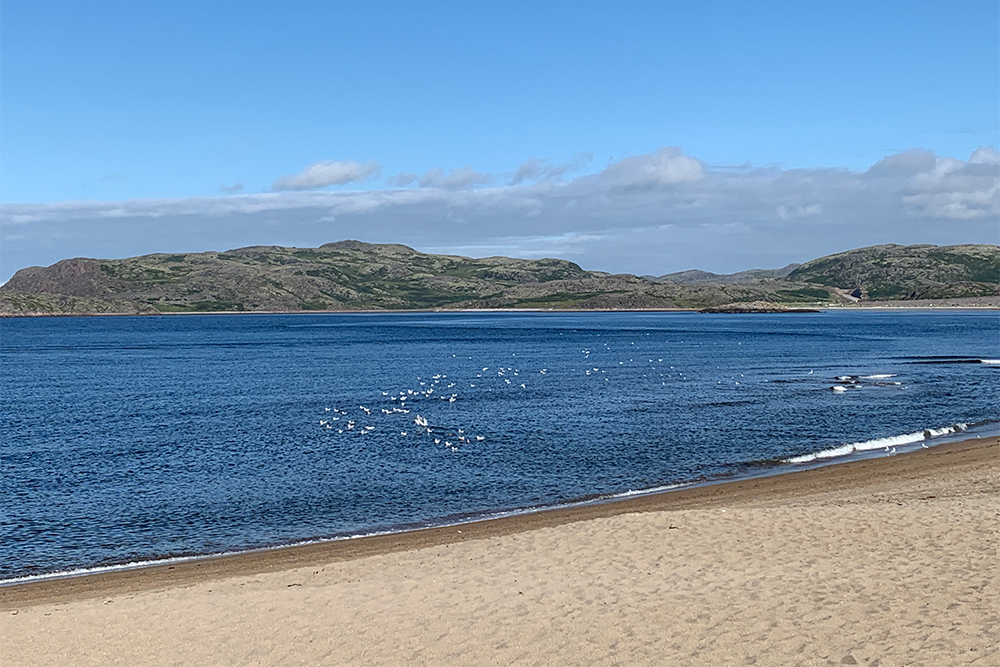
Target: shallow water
{"x":131,"y":438}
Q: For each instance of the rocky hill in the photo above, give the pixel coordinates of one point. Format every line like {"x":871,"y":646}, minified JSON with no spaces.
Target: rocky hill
{"x":351,"y":275}
{"x":908,"y":272}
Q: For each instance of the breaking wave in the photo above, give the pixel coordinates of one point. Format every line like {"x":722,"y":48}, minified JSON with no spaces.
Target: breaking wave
{"x":878,"y":443}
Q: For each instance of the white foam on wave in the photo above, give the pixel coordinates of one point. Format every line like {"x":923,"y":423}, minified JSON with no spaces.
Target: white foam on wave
{"x":992,"y":362}
{"x":878,"y":443}
{"x":878,"y":376}
{"x":955,"y":428}
{"x":891,"y":441}
{"x":647,"y":492}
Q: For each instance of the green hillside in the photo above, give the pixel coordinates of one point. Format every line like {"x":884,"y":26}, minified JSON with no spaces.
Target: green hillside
{"x":908,"y":272}
{"x":351,"y":275}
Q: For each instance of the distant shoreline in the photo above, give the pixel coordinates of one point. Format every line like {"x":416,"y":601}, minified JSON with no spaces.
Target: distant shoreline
{"x":879,"y":306}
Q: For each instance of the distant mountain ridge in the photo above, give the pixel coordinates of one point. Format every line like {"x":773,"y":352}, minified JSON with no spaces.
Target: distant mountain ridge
{"x":352,"y":275}
{"x":698,"y":277}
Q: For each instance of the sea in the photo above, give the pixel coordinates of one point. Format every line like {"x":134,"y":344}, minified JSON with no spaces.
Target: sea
{"x":131,"y":440}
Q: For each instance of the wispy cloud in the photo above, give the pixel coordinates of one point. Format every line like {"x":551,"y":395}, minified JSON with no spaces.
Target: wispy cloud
{"x":652,"y":213}
{"x":329,"y":172}
{"x":457,"y":179}
{"x":231,"y":189}
{"x":535,"y":169}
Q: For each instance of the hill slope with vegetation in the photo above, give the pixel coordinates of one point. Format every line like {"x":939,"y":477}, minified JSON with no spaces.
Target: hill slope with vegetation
{"x":351,"y":275}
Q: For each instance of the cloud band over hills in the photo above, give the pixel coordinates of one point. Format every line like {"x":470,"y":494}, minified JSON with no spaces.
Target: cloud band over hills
{"x":652,"y":213}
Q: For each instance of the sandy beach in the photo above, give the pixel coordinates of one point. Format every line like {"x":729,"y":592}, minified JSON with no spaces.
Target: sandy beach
{"x":888,"y":561}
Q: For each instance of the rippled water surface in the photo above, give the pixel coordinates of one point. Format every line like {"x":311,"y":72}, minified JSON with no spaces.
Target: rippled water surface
{"x":131,"y":438}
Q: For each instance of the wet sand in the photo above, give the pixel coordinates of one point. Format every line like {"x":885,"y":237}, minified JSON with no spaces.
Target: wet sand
{"x":888,"y":561}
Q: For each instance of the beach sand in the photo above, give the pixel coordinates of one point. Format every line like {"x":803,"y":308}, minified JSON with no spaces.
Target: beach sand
{"x":888,"y":561}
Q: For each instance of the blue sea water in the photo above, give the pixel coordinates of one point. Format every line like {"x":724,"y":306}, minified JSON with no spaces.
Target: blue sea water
{"x":126,"y":439}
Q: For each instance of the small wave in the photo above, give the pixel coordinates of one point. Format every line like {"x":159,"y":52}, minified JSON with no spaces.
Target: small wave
{"x":955,"y":360}
{"x":991,"y":362}
{"x":878,"y":443}
{"x":878,"y":376}
{"x":935,"y":432}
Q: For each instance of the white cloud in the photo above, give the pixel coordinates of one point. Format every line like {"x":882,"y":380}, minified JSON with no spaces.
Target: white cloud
{"x":955,"y":189}
{"x":665,"y":166}
{"x":792,"y":212}
{"x":907,"y":163}
{"x":326,"y":173}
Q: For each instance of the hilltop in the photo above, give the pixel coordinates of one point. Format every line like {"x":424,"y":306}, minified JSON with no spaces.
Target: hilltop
{"x":351,"y":275}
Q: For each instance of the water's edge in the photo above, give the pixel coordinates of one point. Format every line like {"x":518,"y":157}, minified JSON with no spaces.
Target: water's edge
{"x":878,"y":448}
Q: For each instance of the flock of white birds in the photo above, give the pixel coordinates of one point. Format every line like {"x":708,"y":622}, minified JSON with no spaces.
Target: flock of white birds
{"x":398,"y":412}
{"x":413,"y":412}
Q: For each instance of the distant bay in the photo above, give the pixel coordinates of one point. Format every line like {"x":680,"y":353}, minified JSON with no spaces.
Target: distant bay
{"x":126,"y":439}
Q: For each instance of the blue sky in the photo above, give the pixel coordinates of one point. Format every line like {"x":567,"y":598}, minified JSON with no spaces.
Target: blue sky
{"x":136,"y":127}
